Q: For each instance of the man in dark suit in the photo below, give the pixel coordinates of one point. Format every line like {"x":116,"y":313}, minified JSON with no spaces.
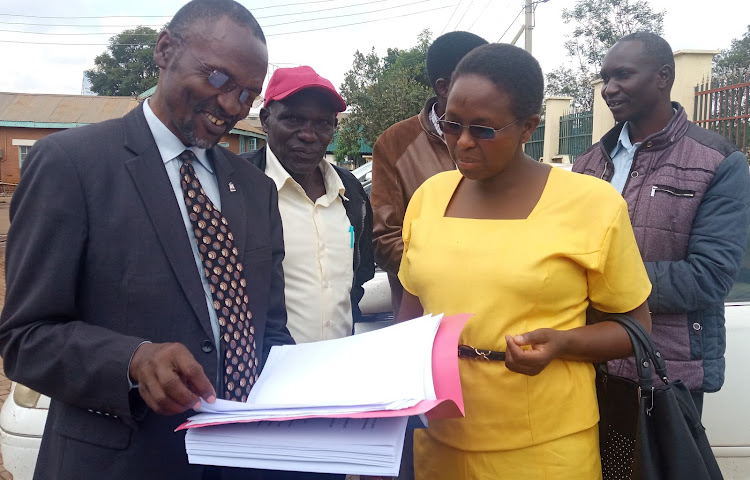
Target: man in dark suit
{"x":113,"y":308}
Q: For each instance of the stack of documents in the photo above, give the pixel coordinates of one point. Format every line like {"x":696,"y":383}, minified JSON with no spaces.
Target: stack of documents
{"x":288,"y":422}
{"x":367,"y":446}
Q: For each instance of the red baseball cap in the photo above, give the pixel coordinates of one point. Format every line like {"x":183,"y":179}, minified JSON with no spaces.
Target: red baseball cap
{"x":288,"y":81}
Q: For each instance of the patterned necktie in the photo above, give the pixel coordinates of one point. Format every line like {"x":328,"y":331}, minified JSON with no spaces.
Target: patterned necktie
{"x":226,"y":281}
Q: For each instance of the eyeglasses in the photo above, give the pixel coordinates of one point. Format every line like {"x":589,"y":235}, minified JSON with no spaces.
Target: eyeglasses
{"x":480,"y":132}
{"x":224,"y":82}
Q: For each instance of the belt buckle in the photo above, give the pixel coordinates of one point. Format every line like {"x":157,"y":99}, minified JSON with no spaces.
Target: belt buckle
{"x":482,"y":354}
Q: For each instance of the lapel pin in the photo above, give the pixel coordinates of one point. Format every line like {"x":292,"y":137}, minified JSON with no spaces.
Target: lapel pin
{"x":231,"y":187}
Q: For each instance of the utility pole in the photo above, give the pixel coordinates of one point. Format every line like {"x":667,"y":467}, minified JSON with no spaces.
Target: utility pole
{"x":528,"y":25}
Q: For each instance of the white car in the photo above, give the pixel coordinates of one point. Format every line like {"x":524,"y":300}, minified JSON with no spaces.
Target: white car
{"x":22,"y":420}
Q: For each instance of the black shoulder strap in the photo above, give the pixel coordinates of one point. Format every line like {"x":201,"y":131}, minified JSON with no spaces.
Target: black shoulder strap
{"x":642,"y":344}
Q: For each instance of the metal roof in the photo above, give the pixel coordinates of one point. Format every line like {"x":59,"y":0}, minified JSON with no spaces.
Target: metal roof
{"x":61,"y":111}
{"x":51,"y":108}
{"x":246,"y":126}
{"x":364,"y":148}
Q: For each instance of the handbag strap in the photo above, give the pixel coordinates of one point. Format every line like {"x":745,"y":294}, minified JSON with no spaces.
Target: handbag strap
{"x":642,"y":344}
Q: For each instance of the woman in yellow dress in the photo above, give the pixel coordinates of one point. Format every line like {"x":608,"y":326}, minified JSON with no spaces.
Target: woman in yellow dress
{"x":527,"y":248}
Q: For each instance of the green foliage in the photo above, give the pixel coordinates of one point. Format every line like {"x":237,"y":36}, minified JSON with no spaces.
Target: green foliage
{"x":598,"y":26}
{"x":127,"y":67}
{"x":734,"y":61}
{"x":381,"y":92}
{"x":566,"y":82}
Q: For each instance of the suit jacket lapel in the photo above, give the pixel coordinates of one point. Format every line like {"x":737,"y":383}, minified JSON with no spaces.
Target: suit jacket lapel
{"x":152,"y":182}
{"x":232,"y":204}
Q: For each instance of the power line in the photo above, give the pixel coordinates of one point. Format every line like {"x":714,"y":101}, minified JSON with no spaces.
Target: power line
{"x":346,"y":15}
{"x":479,"y":16}
{"x":360,"y":23}
{"x":264,"y":26}
{"x":462,"y":16}
{"x":267,"y":35}
{"x":511,"y":24}
{"x":83,"y":33}
{"x":451,"y":17}
{"x":74,"y":25}
{"x":156,"y":16}
{"x":321,"y":10}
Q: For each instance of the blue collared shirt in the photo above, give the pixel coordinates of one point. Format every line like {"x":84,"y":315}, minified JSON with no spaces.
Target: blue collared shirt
{"x":169,"y":148}
{"x":622,"y":157}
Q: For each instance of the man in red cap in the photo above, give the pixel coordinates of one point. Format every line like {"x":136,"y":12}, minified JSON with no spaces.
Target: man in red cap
{"x":325,"y":212}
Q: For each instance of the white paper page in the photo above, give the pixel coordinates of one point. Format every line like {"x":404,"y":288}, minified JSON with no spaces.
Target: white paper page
{"x":390,"y":368}
{"x":318,"y":467}
{"x":354,"y":446}
{"x":383,"y":366}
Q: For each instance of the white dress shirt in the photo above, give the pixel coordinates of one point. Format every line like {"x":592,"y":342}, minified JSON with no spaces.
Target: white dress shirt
{"x":170,"y":147}
{"x":319,"y":246}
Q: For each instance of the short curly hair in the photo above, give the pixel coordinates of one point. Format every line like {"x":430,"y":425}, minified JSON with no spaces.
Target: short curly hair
{"x":512,"y":70}
{"x":446,"y":51}
{"x":199,"y":11}
{"x":655,"y":49}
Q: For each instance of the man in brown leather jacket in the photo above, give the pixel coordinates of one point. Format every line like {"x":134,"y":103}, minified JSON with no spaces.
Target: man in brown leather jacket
{"x":410,"y":152}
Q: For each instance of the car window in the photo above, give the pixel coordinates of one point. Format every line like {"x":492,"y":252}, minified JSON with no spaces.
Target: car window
{"x":741,"y":290}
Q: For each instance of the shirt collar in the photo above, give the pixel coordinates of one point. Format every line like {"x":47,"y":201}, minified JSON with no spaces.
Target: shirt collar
{"x":624,"y":138}
{"x":623,"y":141}
{"x":167,"y":142}
{"x":276,"y":172}
{"x":434,"y":119}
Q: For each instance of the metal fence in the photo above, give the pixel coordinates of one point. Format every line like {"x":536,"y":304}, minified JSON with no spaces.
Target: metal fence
{"x":7,"y":189}
{"x":535,"y":146}
{"x":575,"y":133}
{"x":723,"y":106}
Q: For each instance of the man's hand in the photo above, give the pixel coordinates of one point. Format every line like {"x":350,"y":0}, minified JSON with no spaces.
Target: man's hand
{"x":545,"y":343}
{"x":169,"y":378}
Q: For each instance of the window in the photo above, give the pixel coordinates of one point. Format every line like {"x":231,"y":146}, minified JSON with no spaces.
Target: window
{"x":224,"y":144}
{"x":741,"y":290}
{"x":23,"y":150}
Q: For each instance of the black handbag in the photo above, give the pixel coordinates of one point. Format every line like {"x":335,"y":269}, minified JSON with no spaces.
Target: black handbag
{"x":649,"y":432}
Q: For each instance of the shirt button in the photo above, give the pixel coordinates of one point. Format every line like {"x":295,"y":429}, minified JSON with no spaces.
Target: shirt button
{"x":325,"y":284}
{"x":696,"y":326}
{"x":634,"y":174}
{"x":207,"y":346}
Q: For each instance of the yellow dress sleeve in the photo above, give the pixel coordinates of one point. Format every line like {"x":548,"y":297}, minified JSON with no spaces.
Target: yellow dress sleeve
{"x":413,"y":211}
{"x":618,"y":282}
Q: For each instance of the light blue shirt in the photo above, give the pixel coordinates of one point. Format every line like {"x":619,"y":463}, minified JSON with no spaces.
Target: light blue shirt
{"x":169,"y":148}
{"x":622,"y":157}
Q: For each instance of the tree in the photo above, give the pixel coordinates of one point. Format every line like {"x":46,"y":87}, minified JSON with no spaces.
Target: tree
{"x":127,"y":67}
{"x":598,"y":26}
{"x":571,"y":83}
{"x":381,"y":92}
{"x":734,"y":61}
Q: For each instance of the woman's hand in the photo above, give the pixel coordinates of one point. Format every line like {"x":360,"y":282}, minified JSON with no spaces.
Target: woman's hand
{"x":545,"y":345}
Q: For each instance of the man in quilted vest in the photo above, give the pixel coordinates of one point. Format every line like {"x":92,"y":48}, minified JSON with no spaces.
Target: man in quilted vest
{"x":688,"y":192}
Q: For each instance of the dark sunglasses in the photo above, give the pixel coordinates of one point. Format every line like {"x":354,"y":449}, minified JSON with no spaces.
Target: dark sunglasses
{"x":480,"y":132}
{"x":224,"y":82}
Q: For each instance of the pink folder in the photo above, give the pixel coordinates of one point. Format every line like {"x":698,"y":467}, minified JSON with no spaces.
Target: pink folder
{"x":445,"y":377}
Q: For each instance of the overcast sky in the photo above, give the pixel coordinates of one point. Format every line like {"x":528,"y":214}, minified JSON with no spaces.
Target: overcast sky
{"x":321,"y":33}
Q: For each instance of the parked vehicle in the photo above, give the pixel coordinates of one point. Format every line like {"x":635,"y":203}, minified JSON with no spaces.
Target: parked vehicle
{"x":364,"y":175}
